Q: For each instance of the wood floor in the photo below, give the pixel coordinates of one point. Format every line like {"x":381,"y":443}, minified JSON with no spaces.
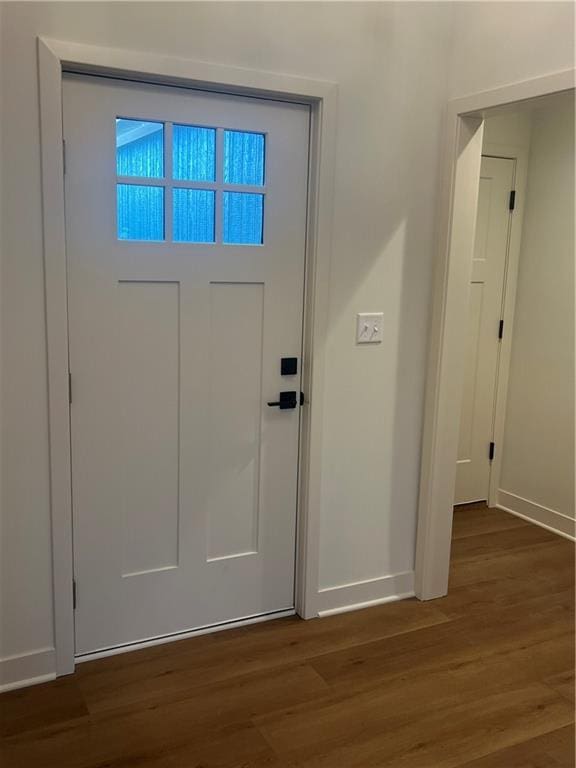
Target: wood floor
{"x":483,"y":678}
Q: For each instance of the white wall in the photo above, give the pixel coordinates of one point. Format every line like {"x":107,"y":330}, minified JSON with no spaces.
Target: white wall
{"x":537,"y":477}
{"x":507,"y":130}
{"x":391,"y":63}
{"x":506,"y":42}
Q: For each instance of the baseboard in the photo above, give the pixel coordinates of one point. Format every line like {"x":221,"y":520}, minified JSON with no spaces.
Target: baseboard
{"x":552,"y":521}
{"x":363,"y":594}
{"x":40,"y":666}
{"x":28,"y":669}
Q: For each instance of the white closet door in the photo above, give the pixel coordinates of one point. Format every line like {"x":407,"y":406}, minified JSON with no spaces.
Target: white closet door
{"x":485,"y":311}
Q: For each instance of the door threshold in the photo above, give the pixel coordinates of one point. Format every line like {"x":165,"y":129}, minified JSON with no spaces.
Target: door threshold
{"x":141,"y":644}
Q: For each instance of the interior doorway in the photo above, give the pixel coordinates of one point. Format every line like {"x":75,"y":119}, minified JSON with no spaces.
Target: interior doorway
{"x":465,"y":124}
{"x":515,"y":450}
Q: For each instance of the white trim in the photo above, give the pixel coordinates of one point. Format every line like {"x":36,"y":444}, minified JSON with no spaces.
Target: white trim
{"x":54,"y":241}
{"x":315,"y":331}
{"x":28,"y":682}
{"x":362,"y":594}
{"x":54,"y":56}
{"x":457,"y":201}
{"x":190,"y":73}
{"x":550,"y":519}
{"x":183,"y":636}
{"x":526,"y":90}
{"x":445,"y":381}
{"x":26,"y":669}
{"x":367,"y":604}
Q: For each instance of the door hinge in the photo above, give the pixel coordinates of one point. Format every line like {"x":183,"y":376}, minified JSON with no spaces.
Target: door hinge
{"x":64,"y":156}
{"x":74,"y":594}
{"x":501,"y":329}
{"x":512,"y":200}
{"x":69,"y":388}
{"x":492,"y":451}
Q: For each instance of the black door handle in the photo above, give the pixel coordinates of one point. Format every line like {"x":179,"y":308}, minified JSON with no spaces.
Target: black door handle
{"x":287,"y":401}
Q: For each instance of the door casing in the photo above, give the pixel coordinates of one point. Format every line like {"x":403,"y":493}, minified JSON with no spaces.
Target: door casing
{"x":56,"y":57}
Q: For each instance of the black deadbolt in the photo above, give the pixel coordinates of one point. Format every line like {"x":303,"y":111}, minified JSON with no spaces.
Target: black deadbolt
{"x":288,"y":366}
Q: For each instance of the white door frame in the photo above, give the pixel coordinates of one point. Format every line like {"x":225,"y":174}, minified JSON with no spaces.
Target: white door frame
{"x":464,"y":119}
{"x":56,"y":57}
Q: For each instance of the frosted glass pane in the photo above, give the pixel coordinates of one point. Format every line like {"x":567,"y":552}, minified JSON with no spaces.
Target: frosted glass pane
{"x":194,"y":153}
{"x":140,"y":212}
{"x":243,"y":158}
{"x":243,"y":218}
{"x":193,"y":211}
{"x":139,"y":148}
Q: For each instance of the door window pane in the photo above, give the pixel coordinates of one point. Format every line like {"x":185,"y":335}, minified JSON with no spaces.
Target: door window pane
{"x":243,"y":158}
{"x":193,"y":211}
{"x":243,"y":216}
{"x":139,"y":148}
{"x":140,"y":212}
{"x":194,"y":153}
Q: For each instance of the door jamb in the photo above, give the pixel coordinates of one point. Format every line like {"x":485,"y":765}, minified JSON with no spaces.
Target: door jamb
{"x":56,"y":57}
{"x":463,"y":129}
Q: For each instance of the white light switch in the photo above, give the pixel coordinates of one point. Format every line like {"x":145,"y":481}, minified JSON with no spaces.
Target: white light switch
{"x":369,"y":327}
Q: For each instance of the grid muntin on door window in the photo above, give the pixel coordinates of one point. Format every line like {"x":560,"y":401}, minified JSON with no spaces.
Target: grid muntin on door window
{"x":210,"y":183}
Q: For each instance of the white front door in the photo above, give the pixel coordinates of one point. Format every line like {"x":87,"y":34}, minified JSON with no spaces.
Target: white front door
{"x":485,"y":312}
{"x":185,"y":218}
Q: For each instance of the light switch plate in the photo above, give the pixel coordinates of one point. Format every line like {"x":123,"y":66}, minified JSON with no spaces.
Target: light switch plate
{"x":369,"y":327}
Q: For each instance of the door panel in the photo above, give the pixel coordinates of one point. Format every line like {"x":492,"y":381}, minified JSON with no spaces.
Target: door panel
{"x":237,"y":315}
{"x":186,"y":216}
{"x":148,"y":446}
{"x":484,"y":313}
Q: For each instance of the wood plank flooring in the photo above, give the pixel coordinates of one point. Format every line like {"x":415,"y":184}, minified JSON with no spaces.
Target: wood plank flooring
{"x":483,"y":678}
